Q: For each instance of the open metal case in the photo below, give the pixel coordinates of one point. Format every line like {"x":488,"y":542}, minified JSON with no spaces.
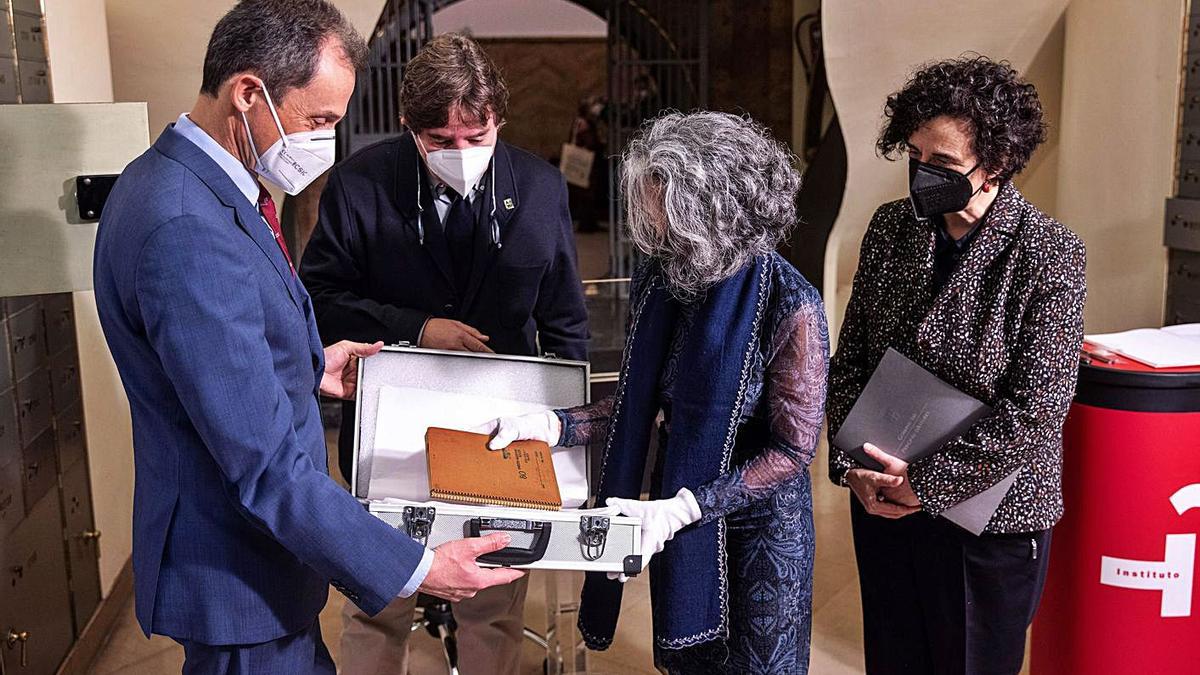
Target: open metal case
{"x":570,"y":539}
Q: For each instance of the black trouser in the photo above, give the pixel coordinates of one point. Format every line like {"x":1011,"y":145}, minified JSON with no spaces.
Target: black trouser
{"x":941,"y":601}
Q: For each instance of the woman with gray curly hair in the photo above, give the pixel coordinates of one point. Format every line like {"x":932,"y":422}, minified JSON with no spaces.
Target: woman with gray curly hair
{"x":728,"y":343}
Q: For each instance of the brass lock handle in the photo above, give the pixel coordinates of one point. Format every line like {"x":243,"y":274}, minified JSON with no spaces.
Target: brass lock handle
{"x":90,"y":535}
{"x":13,"y":638}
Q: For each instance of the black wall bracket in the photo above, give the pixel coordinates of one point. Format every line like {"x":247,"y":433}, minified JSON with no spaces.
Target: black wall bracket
{"x":91,"y":192}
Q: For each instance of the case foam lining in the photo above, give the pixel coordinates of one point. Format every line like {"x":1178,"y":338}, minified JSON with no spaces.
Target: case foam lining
{"x":549,"y":382}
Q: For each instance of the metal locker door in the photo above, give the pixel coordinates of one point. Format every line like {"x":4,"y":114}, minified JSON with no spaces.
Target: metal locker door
{"x":12,"y":504}
{"x":34,"y":413}
{"x":30,"y":37}
{"x":83,"y":545}
{"x":35,"y":606}
{"x":27,"y":338}
{"x":1183,"y":224}
{"x":35,"y":81}
{"x":64,"y":379}
{"x":59,"y":310}
{"x":68,"y":430}
{"x":41,"y":469}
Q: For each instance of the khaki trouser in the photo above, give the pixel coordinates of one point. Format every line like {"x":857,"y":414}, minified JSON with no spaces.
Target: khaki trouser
{"x":489,"y":634}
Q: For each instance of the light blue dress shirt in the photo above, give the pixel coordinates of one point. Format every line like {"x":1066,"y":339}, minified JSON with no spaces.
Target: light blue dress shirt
{"x":248,"y":184}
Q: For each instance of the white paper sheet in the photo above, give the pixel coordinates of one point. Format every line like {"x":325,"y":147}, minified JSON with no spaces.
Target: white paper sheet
{"x":399,"y":469}
{"x":1187,"y":330}
{"x":1154,"y":347}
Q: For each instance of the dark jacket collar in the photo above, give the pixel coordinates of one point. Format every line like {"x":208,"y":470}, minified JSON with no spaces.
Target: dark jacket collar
{"x":996,"y":235}
{"x":411,"y":173}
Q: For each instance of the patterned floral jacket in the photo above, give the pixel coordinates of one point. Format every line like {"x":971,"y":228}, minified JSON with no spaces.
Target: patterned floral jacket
{"x":1006,"y":328}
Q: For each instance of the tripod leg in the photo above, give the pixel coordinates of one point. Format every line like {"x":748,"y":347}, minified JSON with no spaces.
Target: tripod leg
{"x":449,"y":648}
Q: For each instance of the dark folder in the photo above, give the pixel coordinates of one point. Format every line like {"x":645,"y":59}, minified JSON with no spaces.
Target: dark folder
{"x":908,"y":412}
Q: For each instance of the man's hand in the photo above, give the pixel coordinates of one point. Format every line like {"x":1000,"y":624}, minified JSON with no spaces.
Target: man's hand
{"x":453,"y":335}
{"x":886,"y":494}
{"x":456,"y":576}
{"x":341,"y":367}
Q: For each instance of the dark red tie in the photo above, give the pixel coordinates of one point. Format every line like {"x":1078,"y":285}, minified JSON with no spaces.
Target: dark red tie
{"x":267,"y":206}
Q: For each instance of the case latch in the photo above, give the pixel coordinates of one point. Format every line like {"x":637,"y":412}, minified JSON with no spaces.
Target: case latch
{"x":593,"y":536}
{"x":418,"y":521}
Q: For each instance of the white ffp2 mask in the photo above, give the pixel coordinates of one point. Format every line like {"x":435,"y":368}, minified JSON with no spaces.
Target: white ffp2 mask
{"x":461,"y":169}
{"x":295,"y":160}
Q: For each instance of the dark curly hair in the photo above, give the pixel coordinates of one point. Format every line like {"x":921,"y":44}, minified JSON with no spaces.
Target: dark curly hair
{"x":1003,"y":110}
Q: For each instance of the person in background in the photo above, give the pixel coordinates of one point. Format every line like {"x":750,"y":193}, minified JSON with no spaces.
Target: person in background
{"x":728,"y":342}
{"x":238,"y":530}
{"x":588,"y":204}
{"x":448,"y":238}
{"x":977,"y":285}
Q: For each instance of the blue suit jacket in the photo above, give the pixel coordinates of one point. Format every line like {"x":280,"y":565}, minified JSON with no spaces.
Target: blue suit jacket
{"x":238,"y":528}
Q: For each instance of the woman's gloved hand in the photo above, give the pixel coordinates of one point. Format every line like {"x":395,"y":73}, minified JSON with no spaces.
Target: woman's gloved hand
{"x":661,"y":519}
{"x":539,"y":426}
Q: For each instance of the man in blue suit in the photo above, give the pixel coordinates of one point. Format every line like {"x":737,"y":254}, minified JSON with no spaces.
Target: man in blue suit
{"x":238,"y":529}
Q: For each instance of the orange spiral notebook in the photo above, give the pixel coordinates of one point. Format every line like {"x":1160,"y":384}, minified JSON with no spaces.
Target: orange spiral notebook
{"x":462,"y":469}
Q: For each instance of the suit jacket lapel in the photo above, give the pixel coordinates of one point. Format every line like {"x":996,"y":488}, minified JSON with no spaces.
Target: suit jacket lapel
{"x":421,"y":216}
{"x":506,"y":202}
{"x":252,"y":223}
{"x":999,"y":230}
{"x":177,"y":147}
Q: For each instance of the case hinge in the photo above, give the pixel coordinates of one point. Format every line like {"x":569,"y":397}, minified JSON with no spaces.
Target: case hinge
{"x":418,"y":521}
{"x":593,"y":536}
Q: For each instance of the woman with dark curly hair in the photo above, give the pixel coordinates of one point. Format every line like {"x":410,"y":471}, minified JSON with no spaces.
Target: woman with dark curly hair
{"x":977,"y":285}
{"x":727,"y":343}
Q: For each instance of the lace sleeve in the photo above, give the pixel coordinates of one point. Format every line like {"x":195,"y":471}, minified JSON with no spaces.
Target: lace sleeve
{"x":796,"y":384}
{"x":585,"y":424}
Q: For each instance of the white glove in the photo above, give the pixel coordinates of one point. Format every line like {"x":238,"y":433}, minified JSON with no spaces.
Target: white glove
{"x":661,"y":519}
{"x":539,"y":426}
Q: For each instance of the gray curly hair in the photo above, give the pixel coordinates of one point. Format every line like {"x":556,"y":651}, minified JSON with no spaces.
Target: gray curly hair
{"x":724,"y":187}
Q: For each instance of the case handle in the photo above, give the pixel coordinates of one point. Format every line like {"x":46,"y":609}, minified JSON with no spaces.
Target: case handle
{"x":512,"y":555}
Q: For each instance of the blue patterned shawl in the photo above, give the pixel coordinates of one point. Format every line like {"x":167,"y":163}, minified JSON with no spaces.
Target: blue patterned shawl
{"x":688,"y":579}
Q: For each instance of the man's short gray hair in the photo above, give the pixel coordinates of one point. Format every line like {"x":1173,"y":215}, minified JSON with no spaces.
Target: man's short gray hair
{"x":724,"y":186}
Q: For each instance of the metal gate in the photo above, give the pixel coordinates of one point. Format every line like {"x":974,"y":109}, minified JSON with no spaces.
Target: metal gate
{"x":373,"y":114}
{"x":657,"y":60}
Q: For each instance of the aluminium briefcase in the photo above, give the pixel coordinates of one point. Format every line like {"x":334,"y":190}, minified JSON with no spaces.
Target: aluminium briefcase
{"x":404,"y":390}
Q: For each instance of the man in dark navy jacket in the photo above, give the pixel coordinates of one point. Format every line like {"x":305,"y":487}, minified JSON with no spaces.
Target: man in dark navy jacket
{"x":446,"y":238}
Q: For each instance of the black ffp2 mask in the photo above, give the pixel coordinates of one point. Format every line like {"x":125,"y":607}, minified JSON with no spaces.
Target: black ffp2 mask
{"x":934,"y":190}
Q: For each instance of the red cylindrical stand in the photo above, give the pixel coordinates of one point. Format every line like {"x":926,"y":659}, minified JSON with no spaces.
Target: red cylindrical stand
{"x":1121,"y":596}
